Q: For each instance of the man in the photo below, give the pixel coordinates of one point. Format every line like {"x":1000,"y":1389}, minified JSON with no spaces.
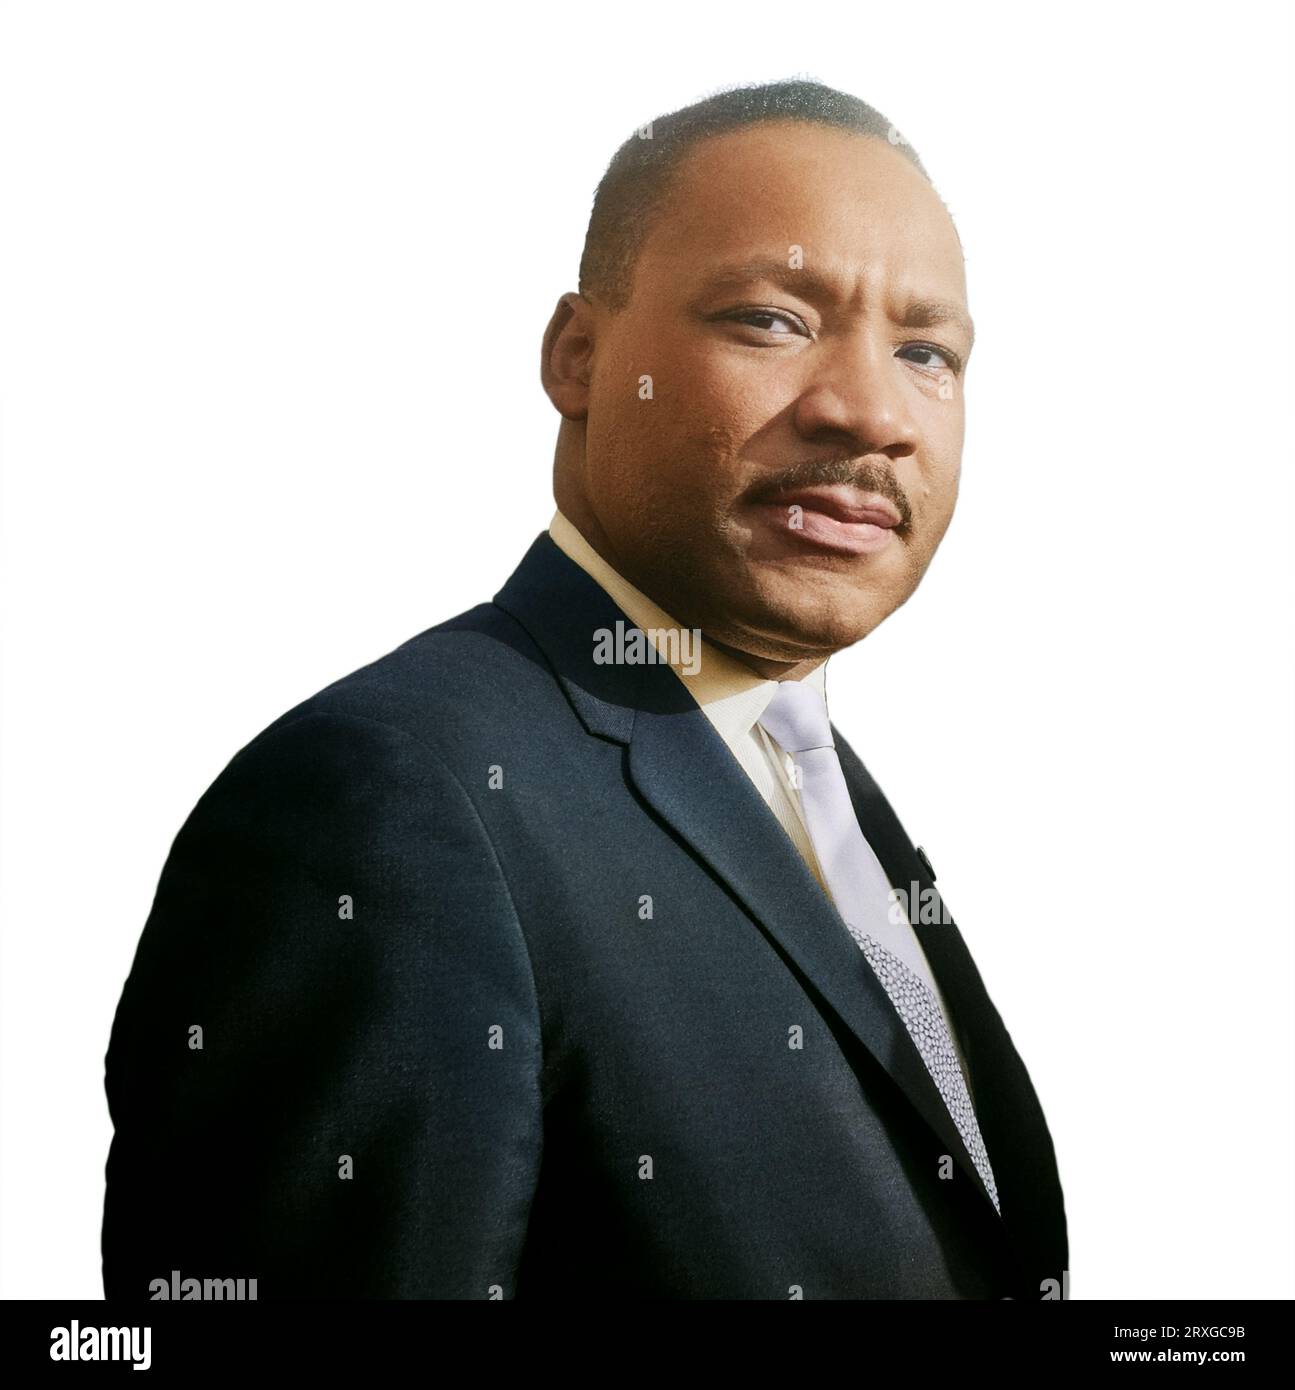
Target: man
{"x":555,"y":952}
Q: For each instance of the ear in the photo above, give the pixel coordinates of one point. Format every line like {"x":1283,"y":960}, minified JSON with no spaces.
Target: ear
{"x":566,"y":359}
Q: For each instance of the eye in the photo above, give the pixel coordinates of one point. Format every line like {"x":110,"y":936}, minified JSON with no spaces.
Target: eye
{"x":768,"y":320}
{"x":947,"y":359}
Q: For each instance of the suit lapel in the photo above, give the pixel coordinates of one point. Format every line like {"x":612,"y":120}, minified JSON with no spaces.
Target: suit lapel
{"x":942,"y":944}
{"x":684,"y":771}
{"x":1008,"y":1112}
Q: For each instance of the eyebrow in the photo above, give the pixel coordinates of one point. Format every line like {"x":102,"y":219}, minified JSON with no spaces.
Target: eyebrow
{"x":925,"y":312}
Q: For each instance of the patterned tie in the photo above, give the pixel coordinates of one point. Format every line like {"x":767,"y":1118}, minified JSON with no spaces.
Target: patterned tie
{"x":797,"y":719}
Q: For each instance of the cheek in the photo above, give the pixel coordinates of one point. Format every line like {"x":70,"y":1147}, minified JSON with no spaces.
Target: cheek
{"x":699,"y":382}
{"x":680,"y":449}
{"x":942,"y":452}
{"x":937,"y":502}
{"x":736,"y":399}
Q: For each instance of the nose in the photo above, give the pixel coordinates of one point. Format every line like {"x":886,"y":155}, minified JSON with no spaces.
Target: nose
{"x":859,"y":398}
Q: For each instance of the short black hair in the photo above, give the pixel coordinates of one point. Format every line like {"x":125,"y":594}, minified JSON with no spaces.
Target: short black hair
{"x":642,"y":172}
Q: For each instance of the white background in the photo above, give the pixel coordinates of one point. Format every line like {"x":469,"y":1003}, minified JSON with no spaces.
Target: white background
{"x":274,"y":278}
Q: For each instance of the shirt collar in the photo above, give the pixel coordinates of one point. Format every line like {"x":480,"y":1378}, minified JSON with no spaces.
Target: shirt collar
{"x":732,"y":696}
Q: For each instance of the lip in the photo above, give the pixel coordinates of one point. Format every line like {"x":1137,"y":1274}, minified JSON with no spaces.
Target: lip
{"x":838,"y":518}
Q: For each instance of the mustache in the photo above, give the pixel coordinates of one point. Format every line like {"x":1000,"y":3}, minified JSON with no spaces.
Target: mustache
{"x":867,"y":477}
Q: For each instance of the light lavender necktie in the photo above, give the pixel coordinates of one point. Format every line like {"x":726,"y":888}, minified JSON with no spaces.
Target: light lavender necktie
{"x":797,"y":719}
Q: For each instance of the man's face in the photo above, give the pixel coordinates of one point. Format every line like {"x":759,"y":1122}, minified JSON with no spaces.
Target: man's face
{"x":800,"y":311}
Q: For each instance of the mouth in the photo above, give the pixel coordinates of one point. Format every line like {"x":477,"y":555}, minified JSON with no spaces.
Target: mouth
{"x":837,"y":518}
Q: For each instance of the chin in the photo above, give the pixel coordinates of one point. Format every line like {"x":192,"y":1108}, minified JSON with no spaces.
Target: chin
{"x":787,"y":635}
{"x":834,"y":615}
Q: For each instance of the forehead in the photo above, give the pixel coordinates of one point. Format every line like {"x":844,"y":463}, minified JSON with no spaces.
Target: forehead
{"x":852,"y":202}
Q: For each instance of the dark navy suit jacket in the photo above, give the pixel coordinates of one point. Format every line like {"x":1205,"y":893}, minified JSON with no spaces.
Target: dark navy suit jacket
{"x":399,"y":1024}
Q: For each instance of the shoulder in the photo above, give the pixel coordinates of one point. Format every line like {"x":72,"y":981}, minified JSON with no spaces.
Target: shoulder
{"x":394,"y":740}
{"x":421,"y":702}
